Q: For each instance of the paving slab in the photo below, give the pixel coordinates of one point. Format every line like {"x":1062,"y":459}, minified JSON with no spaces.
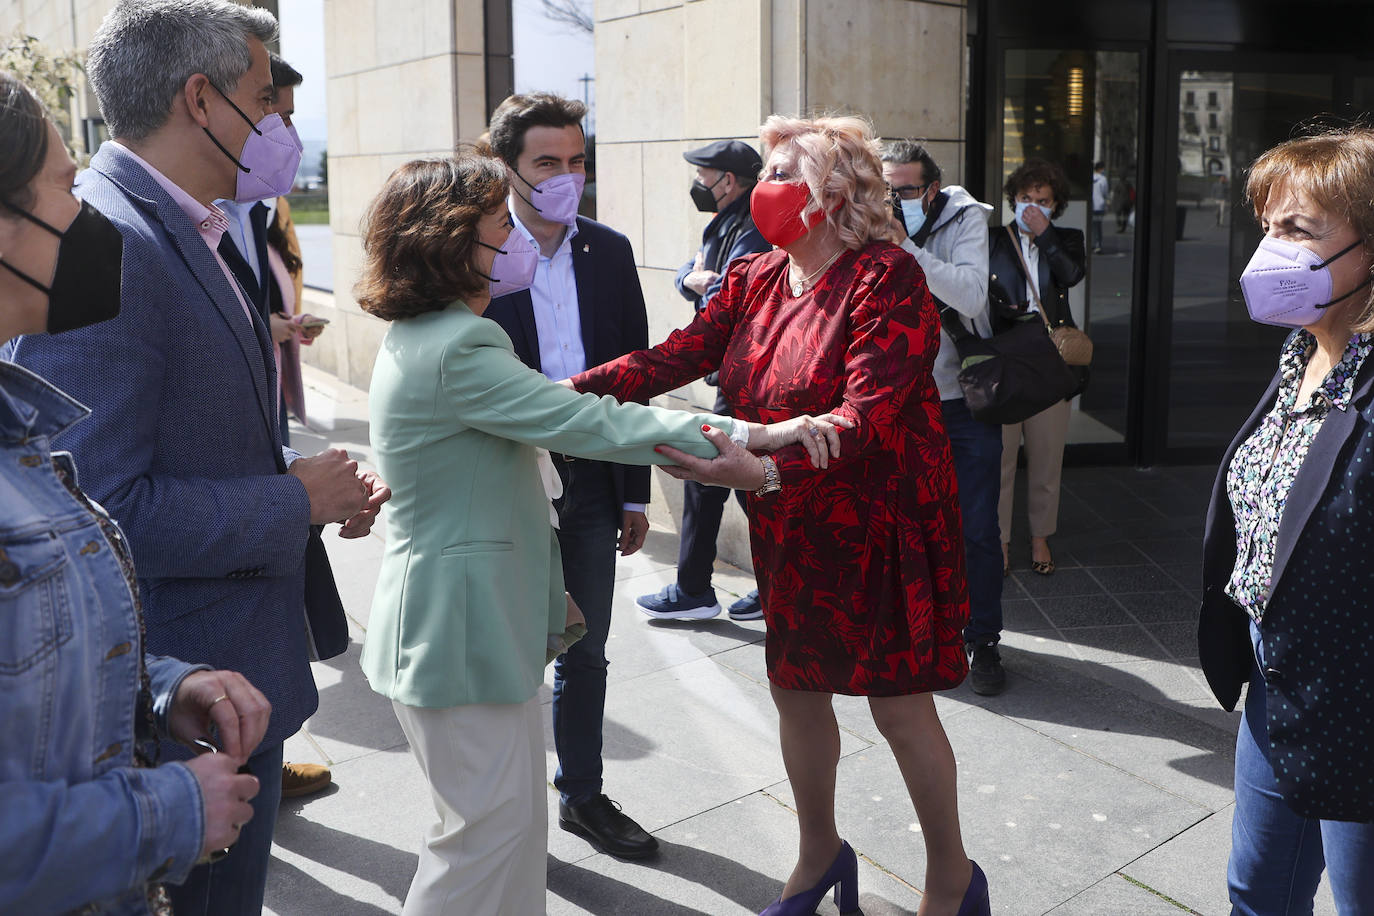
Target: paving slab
{"x":1116,"y":895}
{"x":1044,"y":820}
{"x":353,"y":848}
{"x":729,"y":861}
{"x":1191,"y":868}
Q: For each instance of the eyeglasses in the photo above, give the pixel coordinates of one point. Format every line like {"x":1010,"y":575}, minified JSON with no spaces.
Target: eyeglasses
{"x":909,"y":191}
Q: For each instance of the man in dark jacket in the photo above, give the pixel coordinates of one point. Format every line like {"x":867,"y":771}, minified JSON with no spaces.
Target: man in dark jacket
{"x":725,"y":175}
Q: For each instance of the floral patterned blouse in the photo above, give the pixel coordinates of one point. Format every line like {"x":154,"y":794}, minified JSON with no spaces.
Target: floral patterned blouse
{"x":1266,"y":463}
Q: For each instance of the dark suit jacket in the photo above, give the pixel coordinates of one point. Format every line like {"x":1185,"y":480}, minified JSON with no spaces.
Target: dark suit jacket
{"x":184,"y":450}
{"x":1319,"y":624}
{"x":614,"y":320}
{"x":730,"y":234}
{"x":1061,"y":265}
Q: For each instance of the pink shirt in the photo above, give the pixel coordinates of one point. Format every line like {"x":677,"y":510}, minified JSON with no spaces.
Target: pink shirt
{"x":209,"y":221}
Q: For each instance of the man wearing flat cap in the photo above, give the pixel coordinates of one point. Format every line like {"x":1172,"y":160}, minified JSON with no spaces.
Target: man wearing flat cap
{"x":726,"y":171}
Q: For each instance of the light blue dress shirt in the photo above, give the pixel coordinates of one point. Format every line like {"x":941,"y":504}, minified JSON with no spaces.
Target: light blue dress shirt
{"x":557,"y":316}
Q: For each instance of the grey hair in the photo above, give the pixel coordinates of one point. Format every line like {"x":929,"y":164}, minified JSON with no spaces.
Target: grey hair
{"x":145,"y":51}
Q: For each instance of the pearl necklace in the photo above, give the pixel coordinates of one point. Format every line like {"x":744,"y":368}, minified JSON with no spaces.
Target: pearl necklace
{"x":799,"y":286}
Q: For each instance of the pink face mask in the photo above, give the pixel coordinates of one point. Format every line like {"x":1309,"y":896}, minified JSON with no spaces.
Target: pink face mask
{"x":1288,"y":285}
{"x":556,"y":198}
{"x":512,"y":270}
{"x":270,"y":157}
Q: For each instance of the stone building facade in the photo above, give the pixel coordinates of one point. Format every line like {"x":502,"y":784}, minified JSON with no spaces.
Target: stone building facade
{"x":410,"y":78}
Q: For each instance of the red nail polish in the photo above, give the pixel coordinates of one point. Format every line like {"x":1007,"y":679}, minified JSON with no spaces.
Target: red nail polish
{"x":657,"y":449}
{"x":705,"y":428}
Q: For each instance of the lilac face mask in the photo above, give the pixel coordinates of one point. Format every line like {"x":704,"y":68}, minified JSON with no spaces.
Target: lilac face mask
{"x":512,"y":270}
{"x":1288,"y":285}
{"x":269,"y":160}
{"x":555,"y":198}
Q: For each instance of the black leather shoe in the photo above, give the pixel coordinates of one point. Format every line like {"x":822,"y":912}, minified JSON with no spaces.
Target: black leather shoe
{"x":985,"y":672}
{"x":601,"y":823}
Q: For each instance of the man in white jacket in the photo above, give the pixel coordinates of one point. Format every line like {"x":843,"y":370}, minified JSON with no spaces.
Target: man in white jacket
{"x":947,"y":232}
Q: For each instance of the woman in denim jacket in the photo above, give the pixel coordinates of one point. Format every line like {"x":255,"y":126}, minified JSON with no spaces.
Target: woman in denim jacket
{"x":89,"y":820}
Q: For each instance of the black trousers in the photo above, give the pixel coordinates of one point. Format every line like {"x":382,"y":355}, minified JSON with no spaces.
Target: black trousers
{"x":702,"y":509}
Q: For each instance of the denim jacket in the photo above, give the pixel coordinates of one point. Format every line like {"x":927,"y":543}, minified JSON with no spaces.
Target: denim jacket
{"x":81,"y":828}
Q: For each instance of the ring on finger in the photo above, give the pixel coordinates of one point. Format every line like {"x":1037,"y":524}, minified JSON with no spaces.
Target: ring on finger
{"x":814,"y":431}
{"x":222,"y":696}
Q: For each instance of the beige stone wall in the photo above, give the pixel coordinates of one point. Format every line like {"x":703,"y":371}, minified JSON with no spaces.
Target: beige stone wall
{"x":405,"y":80}
{"x":675,"y":74}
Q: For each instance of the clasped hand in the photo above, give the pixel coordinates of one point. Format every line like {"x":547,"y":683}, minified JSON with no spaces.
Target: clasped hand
{"x":739,"y":469}
{"x":239,"y":714}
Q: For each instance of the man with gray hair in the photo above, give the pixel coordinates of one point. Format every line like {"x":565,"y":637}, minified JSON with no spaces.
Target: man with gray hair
{"x":184,"y":445}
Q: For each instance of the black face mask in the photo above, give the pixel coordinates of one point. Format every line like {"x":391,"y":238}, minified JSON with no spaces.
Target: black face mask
{"x":702,"y":194}
{"x":85,"y":285}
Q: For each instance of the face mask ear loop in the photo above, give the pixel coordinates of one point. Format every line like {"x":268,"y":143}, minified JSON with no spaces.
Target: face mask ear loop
{"x":31,"y":218}
{"x":1344,"y":251}
{"x":232,"y":158}
{"x":26,"y":278}
{"x":1366,"y":282}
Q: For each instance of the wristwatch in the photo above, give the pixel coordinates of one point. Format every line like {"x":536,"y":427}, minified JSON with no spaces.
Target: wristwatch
{"x":772,"y":483}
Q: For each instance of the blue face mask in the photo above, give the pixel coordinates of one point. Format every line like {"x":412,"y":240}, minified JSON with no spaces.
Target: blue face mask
{"x":1021,"y":213}
{"x":913,"y":216}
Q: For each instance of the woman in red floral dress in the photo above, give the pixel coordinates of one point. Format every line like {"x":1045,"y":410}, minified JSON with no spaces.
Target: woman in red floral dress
{"x":860,"y":566}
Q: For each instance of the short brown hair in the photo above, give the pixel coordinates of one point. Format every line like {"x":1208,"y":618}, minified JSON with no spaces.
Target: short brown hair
{"x":1335,"y":170}
{"x":1037,"y":172}
{"x":419,"y":234}
{"x":513,"y":118}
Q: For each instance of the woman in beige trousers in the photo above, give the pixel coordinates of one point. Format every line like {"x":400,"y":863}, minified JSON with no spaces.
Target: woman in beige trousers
{"x":1031,"y":268}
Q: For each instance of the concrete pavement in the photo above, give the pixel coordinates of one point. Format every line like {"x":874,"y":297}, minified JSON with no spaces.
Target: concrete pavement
{"x":1099,"y":783}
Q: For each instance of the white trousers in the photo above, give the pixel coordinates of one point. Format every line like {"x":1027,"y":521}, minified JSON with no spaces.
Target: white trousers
{"x":486,"y":852}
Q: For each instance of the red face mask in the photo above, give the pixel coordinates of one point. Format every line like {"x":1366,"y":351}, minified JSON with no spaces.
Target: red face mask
{"x":777,"y":206}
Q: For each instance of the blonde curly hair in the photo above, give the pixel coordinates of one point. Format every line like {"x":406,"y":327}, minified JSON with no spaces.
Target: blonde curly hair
{"x":839,"y":157}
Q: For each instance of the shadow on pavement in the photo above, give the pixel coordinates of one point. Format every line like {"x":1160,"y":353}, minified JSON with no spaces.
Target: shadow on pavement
{"x":385,"y":866}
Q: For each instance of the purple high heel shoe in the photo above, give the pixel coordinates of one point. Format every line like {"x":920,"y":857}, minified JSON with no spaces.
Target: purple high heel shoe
{"x":842,"y":875}
{"x":976,"y":901}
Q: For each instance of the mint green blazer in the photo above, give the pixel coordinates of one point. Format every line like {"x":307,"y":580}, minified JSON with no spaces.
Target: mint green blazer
{"x":471,"y":583}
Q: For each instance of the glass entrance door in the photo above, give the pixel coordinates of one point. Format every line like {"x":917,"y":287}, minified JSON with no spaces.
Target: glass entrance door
{"x":1214,"y":360}
{"x":1081,"y":109}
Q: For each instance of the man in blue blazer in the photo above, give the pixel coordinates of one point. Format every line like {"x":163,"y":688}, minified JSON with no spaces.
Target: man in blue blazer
{"x":183,"y":446}
{"x":585,"y":308}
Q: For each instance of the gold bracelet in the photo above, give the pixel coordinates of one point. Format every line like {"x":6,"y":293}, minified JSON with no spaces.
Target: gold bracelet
{"x":772,"y":482}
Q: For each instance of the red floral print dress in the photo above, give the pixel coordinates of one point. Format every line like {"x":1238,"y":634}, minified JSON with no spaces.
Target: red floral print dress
{"x":860,"y":566}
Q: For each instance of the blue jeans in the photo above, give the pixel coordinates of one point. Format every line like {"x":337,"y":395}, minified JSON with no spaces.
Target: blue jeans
{"x":589,"y":524}
{"x":1277,"y":855}
{"x":234,"y":886}
{"x":977,"y":450}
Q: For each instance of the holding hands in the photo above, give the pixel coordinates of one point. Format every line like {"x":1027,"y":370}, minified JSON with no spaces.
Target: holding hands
{"x":738,"y":468}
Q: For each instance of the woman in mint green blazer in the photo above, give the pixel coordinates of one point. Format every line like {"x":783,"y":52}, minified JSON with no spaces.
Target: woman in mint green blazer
{"x":470,"y":590}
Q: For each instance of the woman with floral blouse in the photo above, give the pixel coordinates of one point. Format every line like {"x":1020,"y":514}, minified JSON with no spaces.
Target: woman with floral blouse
{"x":1287,"y":604}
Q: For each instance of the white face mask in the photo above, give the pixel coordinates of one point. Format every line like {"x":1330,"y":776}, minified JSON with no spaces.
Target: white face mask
{"x":1025,"y":205}
{"x":913,"y":215}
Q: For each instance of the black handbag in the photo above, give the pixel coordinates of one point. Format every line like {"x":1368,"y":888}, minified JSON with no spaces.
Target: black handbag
{"x":1011,"y":376}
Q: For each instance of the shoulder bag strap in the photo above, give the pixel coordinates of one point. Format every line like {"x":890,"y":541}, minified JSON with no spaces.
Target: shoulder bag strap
{"x":1025,"y":268}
